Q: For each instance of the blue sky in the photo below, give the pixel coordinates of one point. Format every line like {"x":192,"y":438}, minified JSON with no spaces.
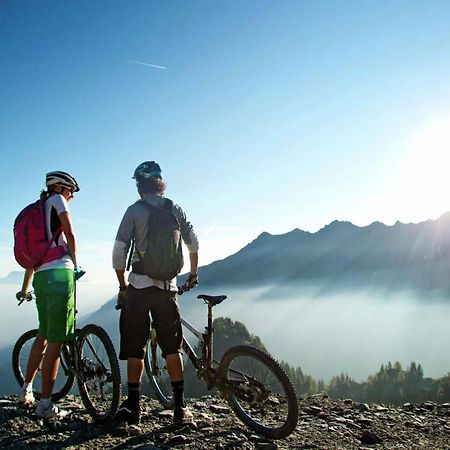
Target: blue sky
{"x":264,"y":115}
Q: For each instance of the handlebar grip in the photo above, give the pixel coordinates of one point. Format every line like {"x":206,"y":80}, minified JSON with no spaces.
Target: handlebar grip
{"x":21,"y":298}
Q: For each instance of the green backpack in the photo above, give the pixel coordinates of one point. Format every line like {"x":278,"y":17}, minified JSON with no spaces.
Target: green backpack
{"x":163,"y":258}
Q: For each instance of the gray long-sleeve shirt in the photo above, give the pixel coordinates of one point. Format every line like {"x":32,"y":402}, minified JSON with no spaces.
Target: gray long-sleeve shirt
{"x":134,"y":225}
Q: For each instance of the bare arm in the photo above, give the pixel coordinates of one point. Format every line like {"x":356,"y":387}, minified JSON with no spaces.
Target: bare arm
{"x":27,"y":281}
{"x":66,"y":223}
{"x":194,"y":262}
{"x":121,"y":277}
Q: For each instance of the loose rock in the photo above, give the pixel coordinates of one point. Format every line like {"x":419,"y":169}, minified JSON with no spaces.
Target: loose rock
{"x":324,"y":424}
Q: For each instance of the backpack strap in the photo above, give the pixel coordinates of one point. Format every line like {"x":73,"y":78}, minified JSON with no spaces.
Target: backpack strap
{"x":58,"y":230}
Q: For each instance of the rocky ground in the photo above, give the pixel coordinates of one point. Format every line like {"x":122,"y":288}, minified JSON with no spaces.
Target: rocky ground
{"x":324,"y":423}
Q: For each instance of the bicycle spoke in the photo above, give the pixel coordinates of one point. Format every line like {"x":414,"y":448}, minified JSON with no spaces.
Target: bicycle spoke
{"x":99,"y":381}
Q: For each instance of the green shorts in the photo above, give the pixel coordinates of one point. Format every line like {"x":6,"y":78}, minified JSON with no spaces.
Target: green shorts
{"x":55,"y":301}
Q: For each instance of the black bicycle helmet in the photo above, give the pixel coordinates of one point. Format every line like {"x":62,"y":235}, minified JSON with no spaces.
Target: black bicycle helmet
{"x":62,"y":178}
{"x":148,"y":169}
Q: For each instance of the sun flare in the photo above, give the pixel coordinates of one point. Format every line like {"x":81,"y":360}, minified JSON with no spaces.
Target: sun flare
{"x":422,"y":181}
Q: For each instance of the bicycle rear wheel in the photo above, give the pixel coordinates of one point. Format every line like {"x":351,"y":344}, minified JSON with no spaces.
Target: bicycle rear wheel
{"x":259,"y":391}
{"x":99,"y":382}
{"x":20,"y":355}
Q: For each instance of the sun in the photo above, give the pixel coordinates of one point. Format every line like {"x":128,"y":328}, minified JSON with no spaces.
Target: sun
{"x":422,"y":179}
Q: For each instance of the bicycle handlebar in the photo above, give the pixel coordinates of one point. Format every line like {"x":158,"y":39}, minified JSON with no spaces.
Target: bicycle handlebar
{"x":21,"y":298}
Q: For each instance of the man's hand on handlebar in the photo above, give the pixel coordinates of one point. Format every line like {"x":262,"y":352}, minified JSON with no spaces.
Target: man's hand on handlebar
{"x":190,"y":283}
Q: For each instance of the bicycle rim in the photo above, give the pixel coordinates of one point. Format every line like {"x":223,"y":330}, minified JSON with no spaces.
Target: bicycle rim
{"x":157,"y":375}
{"x":99,"y":382}
{"x":20,"y":355}
{"x":259,"y":391}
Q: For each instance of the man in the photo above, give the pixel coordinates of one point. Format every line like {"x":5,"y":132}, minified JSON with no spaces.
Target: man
{"x":53,"y":284}
{"x":149,"y":289}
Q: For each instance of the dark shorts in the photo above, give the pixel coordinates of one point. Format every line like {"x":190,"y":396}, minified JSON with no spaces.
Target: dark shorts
{"x":135,"y":322}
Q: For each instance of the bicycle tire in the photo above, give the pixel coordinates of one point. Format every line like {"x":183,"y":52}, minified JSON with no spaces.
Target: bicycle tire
{"x":259,"y":391}
{"x":20,"y":355}
{"x":158,"y":377}
{"x":99,"y":379}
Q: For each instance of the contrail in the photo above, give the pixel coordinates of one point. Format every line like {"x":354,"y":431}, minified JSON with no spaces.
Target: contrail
{"x":146,"y":64}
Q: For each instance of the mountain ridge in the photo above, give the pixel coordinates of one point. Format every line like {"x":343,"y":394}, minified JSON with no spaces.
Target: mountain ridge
{"x":399,"y":256}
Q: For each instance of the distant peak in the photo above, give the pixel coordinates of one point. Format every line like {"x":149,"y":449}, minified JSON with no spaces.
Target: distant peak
{"x":337,"y":224}
{"x":295,"y":231}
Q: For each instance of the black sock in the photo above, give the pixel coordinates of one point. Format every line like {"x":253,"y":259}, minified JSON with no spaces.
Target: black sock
{"x":178,"y":393}
{"x":133,"y":393}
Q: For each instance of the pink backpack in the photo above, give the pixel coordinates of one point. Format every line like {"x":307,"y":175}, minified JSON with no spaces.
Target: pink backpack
{"x":31,"y":246}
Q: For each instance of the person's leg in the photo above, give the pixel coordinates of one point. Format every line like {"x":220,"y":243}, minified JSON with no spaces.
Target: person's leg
{"x":36,"y":355}
{"x":60,"y":306}
{"x":166,"y":316}
{"x":135,"y":368}
{"x":134,"y":333}
{"x":175,"y":368}
{"x":26,"y":396}
{"x":50,"y":366}
{"x":35,"y":358}
{"x":174,"y":364}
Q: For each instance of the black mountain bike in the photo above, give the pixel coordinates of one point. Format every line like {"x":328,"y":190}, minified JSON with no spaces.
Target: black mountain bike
{"x":89,"y":357}
{"x":255,"y":385}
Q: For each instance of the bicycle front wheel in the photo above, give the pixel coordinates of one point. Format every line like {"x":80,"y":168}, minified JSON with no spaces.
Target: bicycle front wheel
{"x":157,"y":374}
{"x":20,"y":356}
{"x":259,"y":391}
{"x":99,"y":373}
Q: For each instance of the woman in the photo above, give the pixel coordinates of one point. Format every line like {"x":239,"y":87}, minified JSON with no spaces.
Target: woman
{"x":53,"y":285}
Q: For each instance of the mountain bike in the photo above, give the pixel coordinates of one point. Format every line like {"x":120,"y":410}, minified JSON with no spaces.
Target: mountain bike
{"x":255,"y":385}
{"x":89,"y":357}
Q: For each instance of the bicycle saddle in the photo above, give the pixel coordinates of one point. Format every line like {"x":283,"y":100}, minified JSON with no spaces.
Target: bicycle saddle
{"x":213,"y":299}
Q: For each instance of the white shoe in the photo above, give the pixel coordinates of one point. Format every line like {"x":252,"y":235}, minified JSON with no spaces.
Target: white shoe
{"x":51,"y":411}
{"x":26,"y":397}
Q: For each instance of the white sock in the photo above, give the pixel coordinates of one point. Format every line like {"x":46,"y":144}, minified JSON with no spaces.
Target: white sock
{"x":46,"y":402}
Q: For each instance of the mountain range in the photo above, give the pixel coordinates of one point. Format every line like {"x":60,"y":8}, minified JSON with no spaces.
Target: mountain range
{"x":401,"y":256}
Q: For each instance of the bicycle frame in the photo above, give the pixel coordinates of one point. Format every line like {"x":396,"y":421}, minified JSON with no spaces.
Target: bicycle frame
{"x":203,"y":364}
{"x":204,"y":338}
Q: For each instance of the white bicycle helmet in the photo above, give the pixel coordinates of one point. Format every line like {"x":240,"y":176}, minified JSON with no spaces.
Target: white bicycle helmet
{"x":62,"y":178}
